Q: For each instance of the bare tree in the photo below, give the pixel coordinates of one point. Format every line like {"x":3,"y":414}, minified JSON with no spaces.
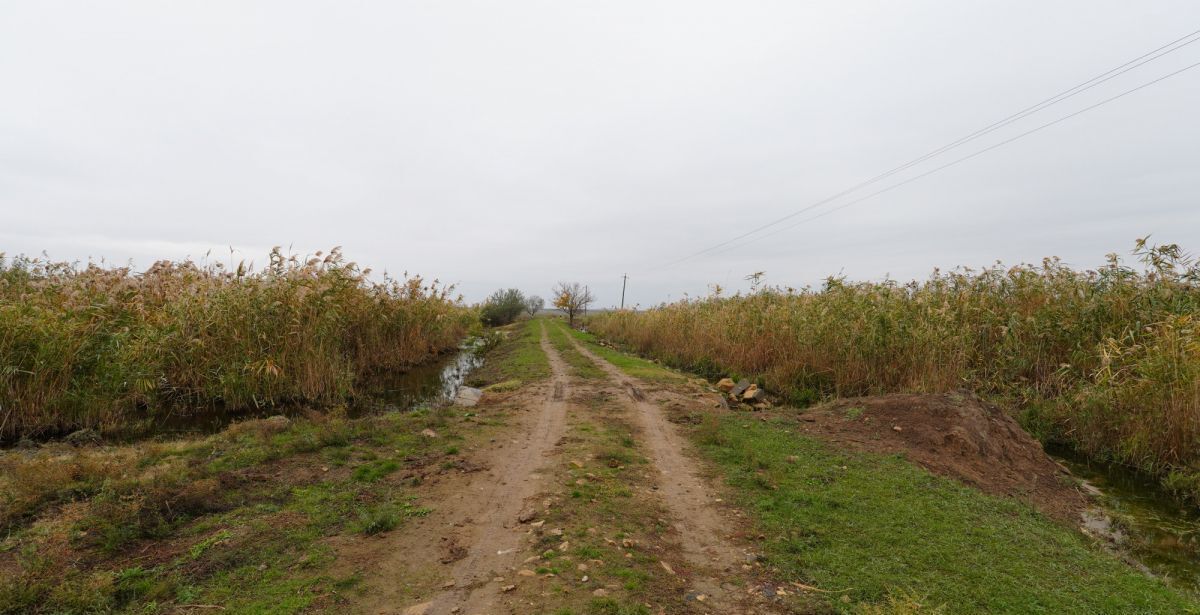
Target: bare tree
{"x":534,"y":304}
{"x":572,"y":298}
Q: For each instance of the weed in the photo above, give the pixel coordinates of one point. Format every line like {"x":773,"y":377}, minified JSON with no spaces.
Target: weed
{"x":375,"y":470}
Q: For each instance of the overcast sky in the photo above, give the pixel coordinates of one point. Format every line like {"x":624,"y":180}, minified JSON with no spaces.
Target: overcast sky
{"x":518,"y":143}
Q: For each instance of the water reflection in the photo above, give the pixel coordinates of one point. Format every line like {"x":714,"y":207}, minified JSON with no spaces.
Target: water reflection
{"x":433,"y":383}
{"x":1163,"y":533}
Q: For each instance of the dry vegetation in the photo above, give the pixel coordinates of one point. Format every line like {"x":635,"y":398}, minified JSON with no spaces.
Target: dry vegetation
{"x":1106,"y":360}
{"x":103,"y":347}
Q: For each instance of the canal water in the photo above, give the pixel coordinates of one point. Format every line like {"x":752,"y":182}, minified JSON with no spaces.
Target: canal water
{"x":1162,"y":533}
{"x":432,"y":383}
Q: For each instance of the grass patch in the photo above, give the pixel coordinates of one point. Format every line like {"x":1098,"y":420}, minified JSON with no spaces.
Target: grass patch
{"x":375,"y":470}
{"x":581,"y":366}
{"x":517,"y":359}
{"x":885,"y":531}
{"x":233,"y":519}
{"x":634,"y":366}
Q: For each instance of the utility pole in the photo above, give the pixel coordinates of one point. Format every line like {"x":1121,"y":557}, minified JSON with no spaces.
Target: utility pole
{"x":624,"y":279}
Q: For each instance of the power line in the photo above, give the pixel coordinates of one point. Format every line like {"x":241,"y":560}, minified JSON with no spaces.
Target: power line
{"x":969,"y":156}
{"x":1053,"y":100}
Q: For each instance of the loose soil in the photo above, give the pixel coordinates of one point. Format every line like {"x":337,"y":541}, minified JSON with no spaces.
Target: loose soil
{"x":955,"y":435}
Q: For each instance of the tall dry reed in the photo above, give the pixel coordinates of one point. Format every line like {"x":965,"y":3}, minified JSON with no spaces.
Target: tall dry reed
{"x":1106,"y":360}
{"x":100,"y":346}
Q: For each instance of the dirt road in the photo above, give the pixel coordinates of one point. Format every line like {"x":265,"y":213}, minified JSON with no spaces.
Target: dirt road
{"x":702,"y":529}
{"x":479,"y":533}
{"x":478,"y":553}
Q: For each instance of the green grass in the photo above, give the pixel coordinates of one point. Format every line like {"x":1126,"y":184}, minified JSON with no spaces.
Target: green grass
{"x":518,"y":359}
{"x":632,"y":365}
{"x":877,"y":527}
{"x":581,"y":366}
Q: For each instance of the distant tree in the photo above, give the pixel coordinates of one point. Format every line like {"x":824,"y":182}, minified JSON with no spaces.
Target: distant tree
{"x":572,"y":298}
{"x":502,"y":307}
{"x":534,"y":304}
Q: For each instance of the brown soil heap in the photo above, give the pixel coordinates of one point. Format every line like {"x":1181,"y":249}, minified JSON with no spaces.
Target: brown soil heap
{"x":955,"y":435}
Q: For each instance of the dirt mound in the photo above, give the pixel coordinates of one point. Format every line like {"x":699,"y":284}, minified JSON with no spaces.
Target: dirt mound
{"x":955,"y":435}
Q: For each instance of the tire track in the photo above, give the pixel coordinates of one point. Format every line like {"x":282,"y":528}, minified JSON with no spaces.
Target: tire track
{"x":703,"y":531}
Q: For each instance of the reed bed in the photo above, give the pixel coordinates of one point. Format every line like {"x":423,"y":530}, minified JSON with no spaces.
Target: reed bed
{"x":102,"y":347}
{"x":1107,"y":361}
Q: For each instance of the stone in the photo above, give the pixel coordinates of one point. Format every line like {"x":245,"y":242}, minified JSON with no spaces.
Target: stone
{"x":754,"y":394}
{"x":527,"y":573}
{"x":508,"y":588}
{"x":429,"y":433}
{"x":897,"y":428}
{"x":740,"y":388}
{"x":726,"y":385}
{"x":82,"y":437}
{"x":600,"y":593}
{"x":418,"y":609}
{"x":468,"y":396}
{"x":526,"y":516}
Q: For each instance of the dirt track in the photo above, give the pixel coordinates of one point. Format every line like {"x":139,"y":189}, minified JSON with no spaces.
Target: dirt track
{"x":463,"y":559}
{"x":701,"y":528}
{"x":479,"y":532}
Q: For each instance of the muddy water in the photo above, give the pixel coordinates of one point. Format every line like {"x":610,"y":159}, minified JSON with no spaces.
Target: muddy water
{"x":1161,"y":533}
{"x":436,"y":382}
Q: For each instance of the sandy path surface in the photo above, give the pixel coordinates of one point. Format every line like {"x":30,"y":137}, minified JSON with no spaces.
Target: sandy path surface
{"x":476,"y":525}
